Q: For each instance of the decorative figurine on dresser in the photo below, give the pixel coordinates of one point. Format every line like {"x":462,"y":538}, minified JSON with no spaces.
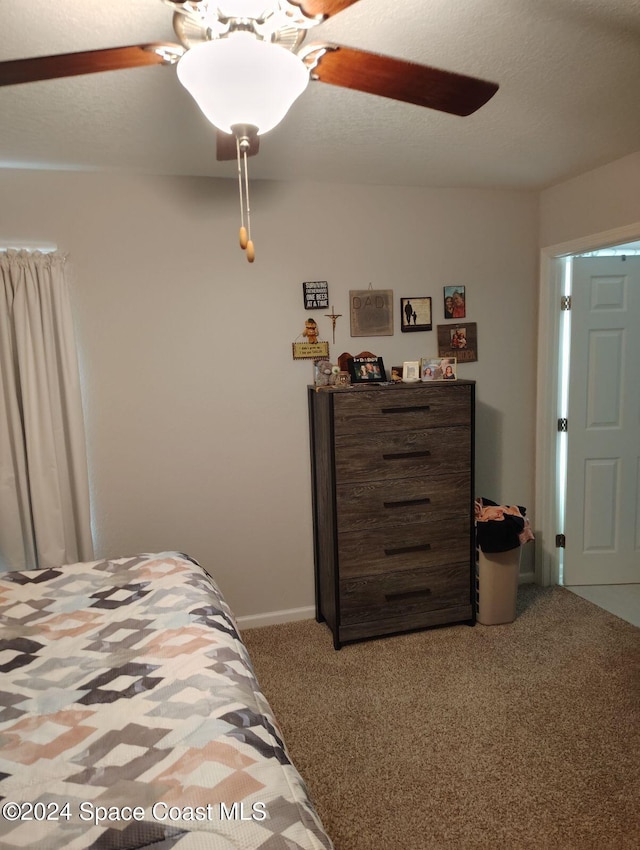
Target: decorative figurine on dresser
{"x":392,"y":488}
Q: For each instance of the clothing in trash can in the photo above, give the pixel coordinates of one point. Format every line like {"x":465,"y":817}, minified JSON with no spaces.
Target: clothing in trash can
{"x":501,"y":527}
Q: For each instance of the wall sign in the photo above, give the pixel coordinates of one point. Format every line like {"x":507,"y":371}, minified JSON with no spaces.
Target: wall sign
{"x":316,"y":294}
{"x":371,"y":312}
{"x":310,"y":350}
{"x":313,"y":348}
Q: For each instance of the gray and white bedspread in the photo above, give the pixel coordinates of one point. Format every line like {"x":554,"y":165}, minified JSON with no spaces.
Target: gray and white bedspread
{"x":130,"y":716}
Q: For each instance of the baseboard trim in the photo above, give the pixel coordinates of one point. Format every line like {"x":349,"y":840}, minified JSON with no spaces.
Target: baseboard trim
{"x":274,"y":618}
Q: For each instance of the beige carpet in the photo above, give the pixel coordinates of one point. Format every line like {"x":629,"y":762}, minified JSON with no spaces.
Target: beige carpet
{"x":518,"y":736}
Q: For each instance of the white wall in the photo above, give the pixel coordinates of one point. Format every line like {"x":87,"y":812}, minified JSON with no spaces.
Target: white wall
{"x":196,"y":412}
{"x":604,"y":199}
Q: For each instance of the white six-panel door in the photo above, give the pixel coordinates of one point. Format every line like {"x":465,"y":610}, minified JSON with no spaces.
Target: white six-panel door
{"x":602,"y":517}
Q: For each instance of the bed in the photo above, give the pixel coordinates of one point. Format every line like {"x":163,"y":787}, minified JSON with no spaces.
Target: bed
{"x":130,"y":716}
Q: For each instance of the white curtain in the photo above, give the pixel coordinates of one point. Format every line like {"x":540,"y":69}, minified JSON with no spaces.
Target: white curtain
{"x":44,"y":490}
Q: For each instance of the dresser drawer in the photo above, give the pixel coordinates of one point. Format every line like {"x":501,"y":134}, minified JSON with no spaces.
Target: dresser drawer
{"x":359,"y":412}
{"x":405,"y":454}
{"x":403,"y":501}
{"x":372,"y":598}
{"x":390,"y":549}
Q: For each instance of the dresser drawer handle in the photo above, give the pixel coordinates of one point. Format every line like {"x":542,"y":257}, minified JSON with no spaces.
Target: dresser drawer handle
{"x":407,"y":594}
{"x":407,"y":503}
{"x":402,"y":455}
{"x":403,"y":550}
{"x":413,"y":409}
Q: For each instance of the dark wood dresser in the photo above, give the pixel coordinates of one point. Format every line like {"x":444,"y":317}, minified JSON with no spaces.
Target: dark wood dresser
{"x":392,"y":487}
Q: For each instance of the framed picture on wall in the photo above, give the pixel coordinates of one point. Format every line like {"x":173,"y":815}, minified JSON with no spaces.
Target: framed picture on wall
{"x":455,"y":302}
{"x":371,"y":312}
{"x":459,"y":341}
{"x":415,"y":314}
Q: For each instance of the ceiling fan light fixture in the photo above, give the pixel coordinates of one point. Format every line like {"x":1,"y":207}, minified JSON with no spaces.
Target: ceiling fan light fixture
{"x":245,"y":8}
{"x":240,"y":79}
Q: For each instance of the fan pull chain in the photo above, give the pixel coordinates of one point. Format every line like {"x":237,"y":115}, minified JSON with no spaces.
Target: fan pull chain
{"x":242,"y":145}
{"x":243,"y":229}
{"x":251,"y":251}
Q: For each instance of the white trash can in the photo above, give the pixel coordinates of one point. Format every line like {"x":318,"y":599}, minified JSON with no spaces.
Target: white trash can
{"x":497,"y":586}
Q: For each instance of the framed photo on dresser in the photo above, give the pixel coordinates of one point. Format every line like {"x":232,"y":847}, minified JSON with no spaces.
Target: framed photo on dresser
{"x":367,"y":370}
{"x":438,"y":369}
{"x":411,"y":371}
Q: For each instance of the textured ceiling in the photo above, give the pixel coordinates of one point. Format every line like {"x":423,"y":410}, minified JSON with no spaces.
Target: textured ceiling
{"x":569,"y":75}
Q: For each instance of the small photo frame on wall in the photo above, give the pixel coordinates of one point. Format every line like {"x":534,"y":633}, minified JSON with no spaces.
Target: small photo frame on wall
{"x":459,"y":341}
{"x":455,"y":302}
{"x":367,"y":370}
{"x":415,"y":314}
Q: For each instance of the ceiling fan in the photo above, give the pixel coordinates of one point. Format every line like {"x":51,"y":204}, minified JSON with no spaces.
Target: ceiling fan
{"x":244,"y":63}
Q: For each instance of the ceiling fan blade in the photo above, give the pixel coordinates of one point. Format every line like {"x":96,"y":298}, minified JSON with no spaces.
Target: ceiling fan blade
{"x":16,"y":71}
{"x":400,"y":80}
{"x":326,"y":8}
{"x":226,"y":146}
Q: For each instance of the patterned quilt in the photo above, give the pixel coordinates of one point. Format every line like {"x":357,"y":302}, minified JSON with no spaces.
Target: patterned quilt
{"x":130,"y":717}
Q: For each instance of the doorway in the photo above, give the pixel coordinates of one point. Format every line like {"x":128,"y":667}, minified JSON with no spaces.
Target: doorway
{"x":602,"y":520}
{"x":553,"y":405}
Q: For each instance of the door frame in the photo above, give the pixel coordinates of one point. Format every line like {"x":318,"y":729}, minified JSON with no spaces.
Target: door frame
{"x":547,"y":497}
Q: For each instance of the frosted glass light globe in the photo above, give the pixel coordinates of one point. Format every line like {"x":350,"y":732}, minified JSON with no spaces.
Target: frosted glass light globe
{"x":240,"y":79}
